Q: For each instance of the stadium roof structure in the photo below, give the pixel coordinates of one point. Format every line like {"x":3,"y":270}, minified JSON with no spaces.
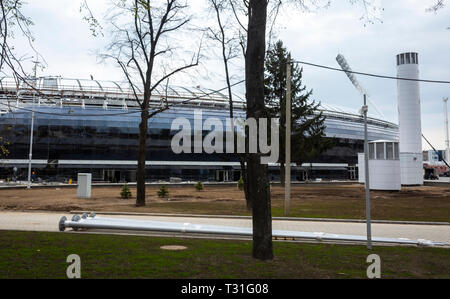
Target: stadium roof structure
{"x":109,"y":93}
{"x":346,"y":113}
{"x":58,"y":91}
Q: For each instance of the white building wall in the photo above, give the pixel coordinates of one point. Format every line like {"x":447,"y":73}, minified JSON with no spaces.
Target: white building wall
{"x":384,"y":175}
{"x":411,"y":166}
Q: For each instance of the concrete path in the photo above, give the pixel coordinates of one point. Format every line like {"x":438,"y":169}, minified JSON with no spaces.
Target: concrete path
{"x":48,"y":221}
{"x":441,"y":179}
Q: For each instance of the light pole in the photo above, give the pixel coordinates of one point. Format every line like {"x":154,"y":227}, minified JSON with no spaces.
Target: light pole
{"x":366,"y":169}
{"x":287,"y":194}
{"x":30,"y":156}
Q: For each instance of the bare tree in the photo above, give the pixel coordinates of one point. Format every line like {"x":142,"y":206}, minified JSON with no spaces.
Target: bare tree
{"x":227,"y":43}
{"x":258,"y":178}
{"x":13,"y":22}
{"x":142,"y":46}
{"x":231,"y":43}
{"x":437,"y":6}
{"x":94,"y":25}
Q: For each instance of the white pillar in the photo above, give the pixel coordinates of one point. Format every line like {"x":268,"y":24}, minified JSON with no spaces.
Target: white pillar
{"x":447,"y":143}
{"x":410,"y":128}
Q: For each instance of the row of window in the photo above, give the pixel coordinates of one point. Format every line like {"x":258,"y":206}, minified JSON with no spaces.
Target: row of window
{"x":110,"y":137}
{"x":408,"y":58}
{"x":383,"y":151}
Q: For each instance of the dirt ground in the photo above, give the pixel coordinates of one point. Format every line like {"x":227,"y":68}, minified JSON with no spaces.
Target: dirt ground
{"x":424,"y":203}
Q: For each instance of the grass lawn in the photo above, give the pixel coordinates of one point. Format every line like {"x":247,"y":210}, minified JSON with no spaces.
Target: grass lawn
{"x":43,"y":255}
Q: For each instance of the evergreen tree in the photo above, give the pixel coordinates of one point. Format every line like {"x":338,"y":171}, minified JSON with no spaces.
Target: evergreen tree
{"x":240,"y":184}
{"x":199,"y":186}
{"x":308,"y":128}
{"x":125,"y":193}
{"x":163,"y":191}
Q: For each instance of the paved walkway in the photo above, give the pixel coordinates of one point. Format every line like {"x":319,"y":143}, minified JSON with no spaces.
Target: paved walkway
{"x":441,"y":179}
{"x":48,"y":221}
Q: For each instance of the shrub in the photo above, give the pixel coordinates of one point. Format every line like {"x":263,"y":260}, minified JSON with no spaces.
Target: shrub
{"x":125,"y":193}
{"x":163,"y":192}
{"x":199,"y":186}
{"x":240,"y":184}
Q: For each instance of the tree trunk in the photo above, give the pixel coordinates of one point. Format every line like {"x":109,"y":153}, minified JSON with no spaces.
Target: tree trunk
{"x":140,"y":173}
{"x":259,"y":190}
{"x":258,"y":180}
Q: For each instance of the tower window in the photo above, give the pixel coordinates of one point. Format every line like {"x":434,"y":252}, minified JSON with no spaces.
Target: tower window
{"x":380,"y":151}
{"x":402,"y":58}
{"x":371,"y":151}
{"x":408,"y":58}
{"x":389,"y":151}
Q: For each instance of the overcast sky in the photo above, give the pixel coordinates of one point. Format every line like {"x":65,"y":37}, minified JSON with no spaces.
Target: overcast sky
{"x":64,"y":40}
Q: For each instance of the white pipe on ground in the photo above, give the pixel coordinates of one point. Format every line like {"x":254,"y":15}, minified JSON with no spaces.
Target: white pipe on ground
{"x":88,"y":222}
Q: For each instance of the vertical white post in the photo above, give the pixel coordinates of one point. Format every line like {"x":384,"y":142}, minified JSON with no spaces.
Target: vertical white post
{"x":287,"y":195}
{"x":447,"y":145}
{"x":366,"y":168}
{"x":30,"y":155}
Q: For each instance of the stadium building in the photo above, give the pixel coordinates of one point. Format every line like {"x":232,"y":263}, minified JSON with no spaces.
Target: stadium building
{"x":92,"y":126}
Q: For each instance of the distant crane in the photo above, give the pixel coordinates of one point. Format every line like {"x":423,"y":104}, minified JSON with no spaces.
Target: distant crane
{"x":346,"y":68}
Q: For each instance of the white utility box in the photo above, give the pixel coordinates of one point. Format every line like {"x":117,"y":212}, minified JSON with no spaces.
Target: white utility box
{"x":84,"y":185}
{"x":384,"y":165}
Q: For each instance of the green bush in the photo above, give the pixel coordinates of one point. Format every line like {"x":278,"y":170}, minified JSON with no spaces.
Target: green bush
{"x":163,"y":192}
{"x":125,"y":193}
{"x":240,"y":184}
{"x":199,"y":186}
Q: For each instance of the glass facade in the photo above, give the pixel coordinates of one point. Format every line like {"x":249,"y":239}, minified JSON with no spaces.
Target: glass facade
{"x":105,"y":142}
{"x":58,"y":137}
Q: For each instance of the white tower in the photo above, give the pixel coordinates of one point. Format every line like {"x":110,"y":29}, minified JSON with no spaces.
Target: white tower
{"x":410,"y":128}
